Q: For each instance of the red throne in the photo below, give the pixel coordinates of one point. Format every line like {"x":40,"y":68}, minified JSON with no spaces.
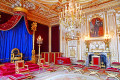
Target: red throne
{"x":96,"y":60}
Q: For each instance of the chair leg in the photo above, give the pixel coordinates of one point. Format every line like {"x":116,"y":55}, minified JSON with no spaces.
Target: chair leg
{"x":94,"y":73}
{"x":112,"y":77}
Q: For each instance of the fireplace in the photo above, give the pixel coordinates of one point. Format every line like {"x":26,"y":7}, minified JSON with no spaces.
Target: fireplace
{"x":104,"y":59}
{"x":99,"y":48}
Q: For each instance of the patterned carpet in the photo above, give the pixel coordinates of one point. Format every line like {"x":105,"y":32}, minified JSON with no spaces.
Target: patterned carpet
{"x":61,"y":74}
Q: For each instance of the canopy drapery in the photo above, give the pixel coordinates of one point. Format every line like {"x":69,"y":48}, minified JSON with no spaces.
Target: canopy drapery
{"x":13,"y":21}
{"x":15,"y":34}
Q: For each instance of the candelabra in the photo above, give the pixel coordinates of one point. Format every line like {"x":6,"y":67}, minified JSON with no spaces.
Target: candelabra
{"x":39,"y":42}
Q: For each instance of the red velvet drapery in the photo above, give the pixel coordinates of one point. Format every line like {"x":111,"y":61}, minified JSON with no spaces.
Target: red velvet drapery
{"x":13,"y":21}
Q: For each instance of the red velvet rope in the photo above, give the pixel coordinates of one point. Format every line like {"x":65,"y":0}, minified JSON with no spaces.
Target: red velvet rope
{"x":13,"y":21}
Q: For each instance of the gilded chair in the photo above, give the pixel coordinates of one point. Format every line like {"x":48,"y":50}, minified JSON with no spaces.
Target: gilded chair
{"x":43,"y":64}
{"x":20,"y":67}
{"x":16,"y":55}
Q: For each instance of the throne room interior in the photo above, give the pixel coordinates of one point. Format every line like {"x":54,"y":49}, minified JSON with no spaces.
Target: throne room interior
{"x":60,"y":39}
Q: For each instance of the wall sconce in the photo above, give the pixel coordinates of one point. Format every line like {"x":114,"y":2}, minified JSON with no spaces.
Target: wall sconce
{"x":107,"y":40}
{"x":107,"y":37}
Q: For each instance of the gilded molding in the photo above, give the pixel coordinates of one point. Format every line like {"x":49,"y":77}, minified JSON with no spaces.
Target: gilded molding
{"x":21,"y":9}
{"x":6,"y":9}
{"x":34,"y":26}
{"x":49,"y":12}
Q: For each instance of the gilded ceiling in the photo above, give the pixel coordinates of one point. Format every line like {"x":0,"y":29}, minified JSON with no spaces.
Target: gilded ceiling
{"x":43,"y":11}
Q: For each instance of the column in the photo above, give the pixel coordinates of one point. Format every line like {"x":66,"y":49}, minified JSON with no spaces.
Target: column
{"x":60,"y":38}
{"x":49,"y":38}
{"x":49,"y":43}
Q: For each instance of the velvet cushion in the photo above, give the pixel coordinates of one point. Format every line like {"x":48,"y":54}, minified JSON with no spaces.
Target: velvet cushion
{"x":80,"y":60}
{"x":116,"y":63}
{"x":42,"y":61}
{"x":20,"y":64}
{"x":112,"y":69}
{"x":94,"y":67}
{"x":46,"y":65}
{"x":23,"y":70}
{"x":50,"y":69}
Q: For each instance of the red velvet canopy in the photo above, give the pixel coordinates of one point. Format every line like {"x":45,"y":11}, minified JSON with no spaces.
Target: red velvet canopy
{"x":14,"y":20}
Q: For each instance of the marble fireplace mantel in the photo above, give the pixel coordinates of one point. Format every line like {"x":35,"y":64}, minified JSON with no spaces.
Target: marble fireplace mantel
{"x":106,"y":53}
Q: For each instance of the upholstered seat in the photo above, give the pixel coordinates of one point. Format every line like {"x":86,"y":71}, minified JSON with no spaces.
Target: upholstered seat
{"x":116,"y":64}
{"x":81,"y":62}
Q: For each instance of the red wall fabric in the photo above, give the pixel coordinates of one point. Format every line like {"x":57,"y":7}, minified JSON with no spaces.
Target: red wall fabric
{"x":55,"y":39}
{"x":42,"y":30}
{"x":4,"y":17}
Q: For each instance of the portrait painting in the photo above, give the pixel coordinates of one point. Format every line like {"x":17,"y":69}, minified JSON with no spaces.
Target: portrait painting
{"x":96,"y":27}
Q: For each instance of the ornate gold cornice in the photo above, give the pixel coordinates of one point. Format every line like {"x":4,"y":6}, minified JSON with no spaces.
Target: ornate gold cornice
{"x":32,"y":17}
{"x":6,"y":9}
{"x":54,"y":9}
{"x":102,"y":7}
{"x":37,"y":19}
{"x":21,"y":9}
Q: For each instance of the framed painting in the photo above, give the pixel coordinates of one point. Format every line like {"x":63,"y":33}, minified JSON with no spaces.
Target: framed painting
{"x":96,"y":27}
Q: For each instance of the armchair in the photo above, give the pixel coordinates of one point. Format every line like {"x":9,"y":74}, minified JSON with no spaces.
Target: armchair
{"x":15,"y":55}
{"x":20,"y":67}
{"x":43,"y":64}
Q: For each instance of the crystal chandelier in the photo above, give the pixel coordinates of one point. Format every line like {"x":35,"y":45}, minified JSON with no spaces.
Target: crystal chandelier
{"x":71,"y":17}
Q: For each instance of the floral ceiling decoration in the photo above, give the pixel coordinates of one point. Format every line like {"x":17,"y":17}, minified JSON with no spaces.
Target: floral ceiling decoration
{"x":43,"y":11}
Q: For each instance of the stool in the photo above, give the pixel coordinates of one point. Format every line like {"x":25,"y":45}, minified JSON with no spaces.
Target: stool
{"x":79,"y":68}
{"x":94,"y":70}
{"x":112,"y":72}
{"x":81,"y":62}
